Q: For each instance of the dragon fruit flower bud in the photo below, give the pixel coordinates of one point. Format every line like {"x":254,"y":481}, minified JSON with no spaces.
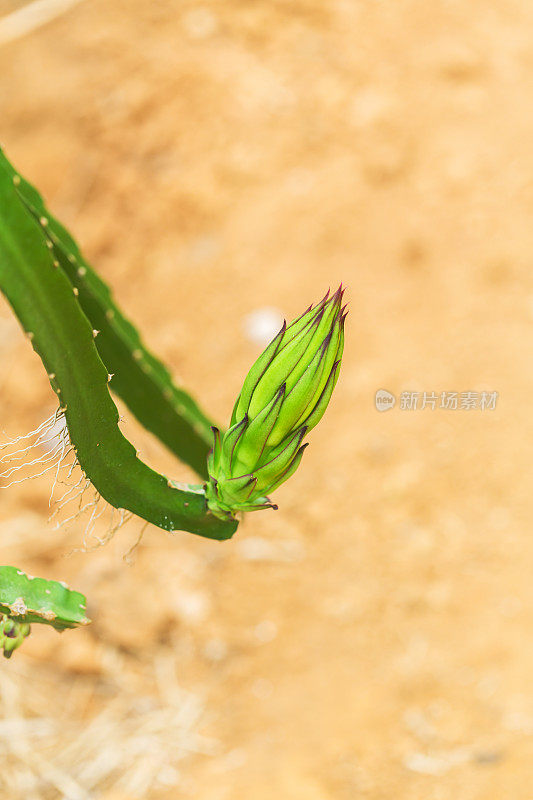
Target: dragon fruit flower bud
{"x":283,"y":397}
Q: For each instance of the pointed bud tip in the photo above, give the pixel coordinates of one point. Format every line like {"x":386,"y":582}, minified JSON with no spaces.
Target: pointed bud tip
{"x":336,"y":298}
{"x":300,"y":450}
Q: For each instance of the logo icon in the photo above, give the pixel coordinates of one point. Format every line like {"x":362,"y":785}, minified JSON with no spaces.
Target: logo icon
{"x":384,"y":400}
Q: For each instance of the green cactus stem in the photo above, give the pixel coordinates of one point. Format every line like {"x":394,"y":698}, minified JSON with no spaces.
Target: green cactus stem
{"x":25,"y":599}
{"x":137,"y":376}
{"x":48,"y":310}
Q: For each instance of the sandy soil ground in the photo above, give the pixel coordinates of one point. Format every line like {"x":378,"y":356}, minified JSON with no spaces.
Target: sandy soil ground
{"x":372,"y":639}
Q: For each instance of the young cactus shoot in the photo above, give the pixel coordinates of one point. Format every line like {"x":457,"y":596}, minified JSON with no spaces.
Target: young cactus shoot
{"x":25,"y":599}
{"x":283,"y":397}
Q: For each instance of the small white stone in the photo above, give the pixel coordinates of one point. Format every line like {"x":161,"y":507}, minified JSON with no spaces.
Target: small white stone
{"x":261,"y":325}
{"x":266,"y":631}
{"x":215,"y":649}
{"x":199,"y":23}
{"x":192,"y":607}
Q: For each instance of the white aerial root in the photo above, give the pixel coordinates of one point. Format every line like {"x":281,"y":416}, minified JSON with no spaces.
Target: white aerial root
{"x":67,"y":496}
{"x":123,"y":518}
{"x":44,"y":426}
{"x":99,"y":506}
{"x":128,"y":555}
{"x":46,"y":449}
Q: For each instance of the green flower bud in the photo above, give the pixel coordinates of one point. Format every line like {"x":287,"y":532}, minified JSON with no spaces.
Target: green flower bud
{"x":283,"y":397}
{"x":12,"y":634}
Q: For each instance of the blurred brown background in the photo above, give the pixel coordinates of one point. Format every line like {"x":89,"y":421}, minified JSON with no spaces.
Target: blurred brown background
{"x":372,"y":639}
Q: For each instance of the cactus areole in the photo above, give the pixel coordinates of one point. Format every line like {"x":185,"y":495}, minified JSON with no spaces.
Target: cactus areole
{"x":283,"y":397}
